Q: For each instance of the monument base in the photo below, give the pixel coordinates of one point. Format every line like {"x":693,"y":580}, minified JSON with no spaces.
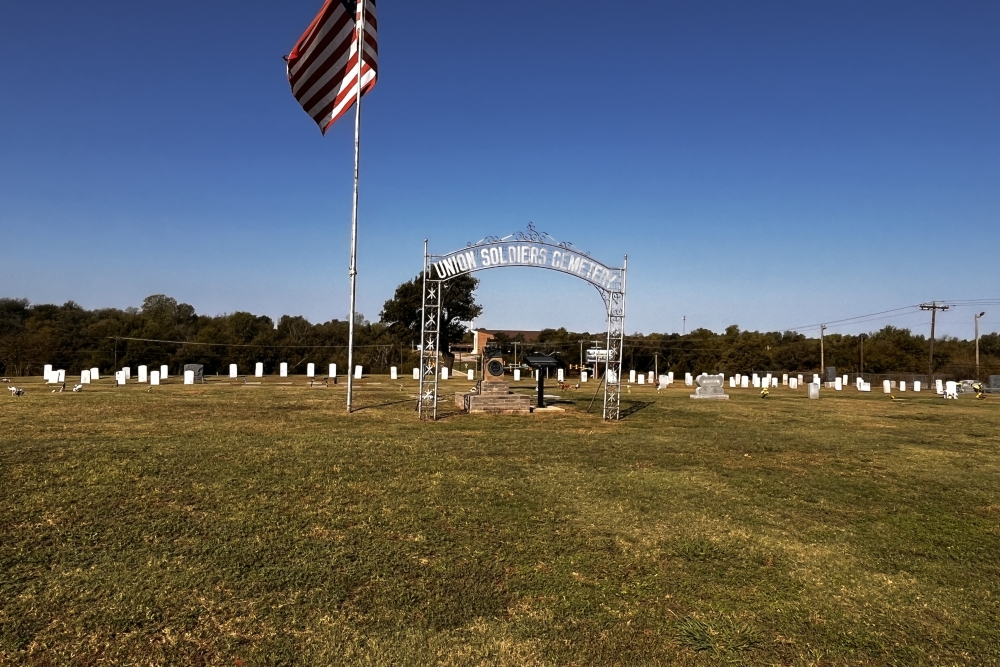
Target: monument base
{"x":710,"y":388}
{"x":494,"y":398}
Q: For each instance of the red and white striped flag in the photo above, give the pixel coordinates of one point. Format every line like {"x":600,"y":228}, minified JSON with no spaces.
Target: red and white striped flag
{"x":323,"y":66}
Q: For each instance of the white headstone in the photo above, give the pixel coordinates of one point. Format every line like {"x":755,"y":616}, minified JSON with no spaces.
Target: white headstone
{"x":916,"y":385}
{"x":732,"y":382}
{"x":46,"y":372}
{"x":688,"y":380}
{"x":744,"y":382}
{"x":52,"y":378}
{"x":258,"y":370}
{"x":444,"y":372}
{"x":799,"y":378}
{"x":128,"y":373}
{"x":394,"y":373}
{"x":471,"y":375}
{"x":143,"y":375}
{"x":670,"y":377}
{"x":838,"y":384}
{"x":95,"y":374}
{"x":233,"y":371}
{"x":886,"y":387}
{"x":756,"y":381}
{"x":844,"y":380}
{"x":560,"y":377}
{"x":866,"y":386}
{"x":902,"y":385}
{"x":739,"y":378}
{"x":814,"y":390}
{"x":517,"y":375}
{"x":164,"y":372}
{"x":583,"y":376}
{"x":283,"y":369}
{"x":310,"y":370}
{"x":793,"y":383}
{"x":774,"y":382}
{"x":60,"y":376}
{"x":416,"y":373}
{"x":664,"y":381}
{"x":784,"y":380}
{"x":939,"y":386}
{"x":188,"y":377}
{"x":85,"y":377}
{"x":816,"y":379}
{"x":120,"y":378}
{"x":642,"y":379}
{"x":357,"y":373}
{"x":333,"y":371}
{"x":631,"y":376}
{"x":154,"y":378}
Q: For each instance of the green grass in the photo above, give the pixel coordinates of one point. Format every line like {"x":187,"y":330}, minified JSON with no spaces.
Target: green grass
{"x":229,"y":525}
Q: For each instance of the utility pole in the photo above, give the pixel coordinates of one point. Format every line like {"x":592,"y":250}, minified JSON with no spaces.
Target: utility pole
{"x":862,"y":337}
{"x":933,"y":307}
{"x":977,"y":343}
{"x":684,"y":319}
{"x":822,"y":358}
{"x":581,"y":355}
{"x":656,"y":360}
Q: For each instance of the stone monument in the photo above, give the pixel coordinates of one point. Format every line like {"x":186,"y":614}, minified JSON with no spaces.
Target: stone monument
{"x":493,"y":395}
{"x":710,"y":387}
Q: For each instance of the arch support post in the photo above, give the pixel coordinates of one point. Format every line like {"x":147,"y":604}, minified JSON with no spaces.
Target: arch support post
{"x":615,"y":301}
{"x":430,"y":341}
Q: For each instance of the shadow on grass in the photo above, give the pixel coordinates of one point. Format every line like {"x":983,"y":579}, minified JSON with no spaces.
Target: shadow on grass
{"x":634,"y":407}
{"x":385,"y":405}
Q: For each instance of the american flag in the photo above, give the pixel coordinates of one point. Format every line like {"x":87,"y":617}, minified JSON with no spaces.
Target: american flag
{"x":323,"y":66}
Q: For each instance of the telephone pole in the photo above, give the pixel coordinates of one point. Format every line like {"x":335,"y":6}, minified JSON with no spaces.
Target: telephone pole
{"x":933,"y":307}
{"x":684,"y":330}
{"x":977,"y":343}
{"x":862,"y":337}
{"x":822,"y":358}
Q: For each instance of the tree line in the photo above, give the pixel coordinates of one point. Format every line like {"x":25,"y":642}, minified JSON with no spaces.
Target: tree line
{"x":163,"y":331}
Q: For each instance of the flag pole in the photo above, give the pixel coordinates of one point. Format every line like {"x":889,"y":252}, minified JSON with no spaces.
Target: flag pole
{"x":354,"y":219}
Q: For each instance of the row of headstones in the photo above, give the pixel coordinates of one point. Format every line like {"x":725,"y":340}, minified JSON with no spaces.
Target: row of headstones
{"x":650,"y":377}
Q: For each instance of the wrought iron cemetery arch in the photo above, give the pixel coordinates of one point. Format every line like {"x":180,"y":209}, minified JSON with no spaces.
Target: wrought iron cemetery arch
{"x":533,"y":249}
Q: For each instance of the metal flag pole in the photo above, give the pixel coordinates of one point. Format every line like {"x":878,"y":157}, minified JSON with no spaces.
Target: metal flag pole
{"x":354,"y":221}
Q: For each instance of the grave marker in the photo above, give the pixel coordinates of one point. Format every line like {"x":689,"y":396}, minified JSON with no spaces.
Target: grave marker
{"x":710,"y":387}
{"x":583,"y":377}
{"x":310,"y":370}
{"x":471,"y":375}
{"x":46,"y":372}
{"x":744,"y":382}
{"x":120,"y":378}
{"x":95,"y":374}
{"x":394,"y":373}
{"x":814,"y":390}
{"x":164,"y":372}
{"x":128,"y":373}
{"x":560,"y":376}
{"x":416,"y":373}
{"x":939,"y":387}
{"x":517,"y":375}
{"x":784,"y":380}
{"x":188,"y":377}
{"x":258,"y":370}
{"x":793,"y":383}
{"x":357,"y":373}
{"x":283,"y":369}
{"x":916,"y":385}
{"x":143,"y":375}
{"x":154,"y":379}
{"x":642,"y":379}
{"x":333,"y":371}
{"x":838,"y":384}
{"x":902,"y":385}
{"x":444,"y":373}
{"x":631,"y":377}
{"x":233,"y":371}
{"x":886,"y":387}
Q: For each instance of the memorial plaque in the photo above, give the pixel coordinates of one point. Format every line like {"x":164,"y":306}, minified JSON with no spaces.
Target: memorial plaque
{"x":710,"y":387}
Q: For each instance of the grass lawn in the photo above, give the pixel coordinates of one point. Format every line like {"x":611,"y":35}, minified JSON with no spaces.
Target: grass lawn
{"x":261,"y":525}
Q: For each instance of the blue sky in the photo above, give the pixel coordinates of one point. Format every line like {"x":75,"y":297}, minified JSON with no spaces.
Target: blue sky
{"x":768,"y":164}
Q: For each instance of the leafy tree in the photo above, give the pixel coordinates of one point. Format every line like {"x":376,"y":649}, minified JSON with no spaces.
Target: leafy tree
{"x":401,"y":313}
